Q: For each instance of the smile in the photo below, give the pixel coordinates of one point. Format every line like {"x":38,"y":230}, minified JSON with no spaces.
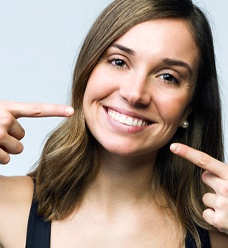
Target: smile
{"x":127,"y":120}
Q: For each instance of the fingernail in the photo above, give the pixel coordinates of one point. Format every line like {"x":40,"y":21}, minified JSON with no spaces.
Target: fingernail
{"x":69,"y":111}
{"x":174,"y":147}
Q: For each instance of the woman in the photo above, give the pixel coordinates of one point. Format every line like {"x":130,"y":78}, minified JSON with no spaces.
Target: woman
{"x":145,"y":79}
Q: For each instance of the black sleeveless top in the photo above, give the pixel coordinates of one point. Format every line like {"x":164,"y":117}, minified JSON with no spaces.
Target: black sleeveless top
{"x":39,"y":232}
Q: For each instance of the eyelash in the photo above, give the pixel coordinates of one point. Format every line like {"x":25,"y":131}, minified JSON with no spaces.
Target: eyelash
{"x":113,"y":61}
{"x":173,"y":81}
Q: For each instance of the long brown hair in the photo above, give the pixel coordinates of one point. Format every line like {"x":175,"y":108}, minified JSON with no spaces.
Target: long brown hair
{"x":69,"y":159}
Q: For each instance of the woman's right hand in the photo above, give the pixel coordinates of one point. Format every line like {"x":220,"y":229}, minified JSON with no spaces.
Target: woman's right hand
{"x":11,"y":132}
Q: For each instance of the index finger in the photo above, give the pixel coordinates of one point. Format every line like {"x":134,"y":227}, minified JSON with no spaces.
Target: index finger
{"x":19,"y":109}
{"x":201,"y":159}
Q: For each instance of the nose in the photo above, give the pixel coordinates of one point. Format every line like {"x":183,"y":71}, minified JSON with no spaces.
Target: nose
{"x":135,"y":90}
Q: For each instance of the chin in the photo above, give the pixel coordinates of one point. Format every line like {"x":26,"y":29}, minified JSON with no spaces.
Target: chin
{"x":125,"y":150}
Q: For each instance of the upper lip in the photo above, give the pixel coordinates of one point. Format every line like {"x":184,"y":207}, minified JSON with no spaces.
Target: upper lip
{"x":129,"y":113}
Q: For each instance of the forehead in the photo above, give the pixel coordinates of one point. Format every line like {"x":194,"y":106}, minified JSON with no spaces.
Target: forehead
{"x":164,"y":37}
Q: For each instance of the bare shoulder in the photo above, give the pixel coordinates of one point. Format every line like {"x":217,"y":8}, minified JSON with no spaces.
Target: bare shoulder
{"x":16,"y":195}
{"x":218,"y":239}
{"x":15,"y":188}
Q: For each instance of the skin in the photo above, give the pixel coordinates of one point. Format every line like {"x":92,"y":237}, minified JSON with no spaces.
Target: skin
{"x":216,"y":177}
{"x":12,"y":132}
{"x":16,"y":192}
{"x":120,"y":201}
{"x":138,"y":88}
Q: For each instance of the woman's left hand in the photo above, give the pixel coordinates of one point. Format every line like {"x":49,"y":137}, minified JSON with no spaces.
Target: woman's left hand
{"x":216,"y":177}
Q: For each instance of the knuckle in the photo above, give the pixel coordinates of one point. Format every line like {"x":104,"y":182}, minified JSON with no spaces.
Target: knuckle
{"x":36,"y":109}
{"x":22,"y":133}
{"x":223,"y":189}
{"x":6,"y":120}
{"x":204,"y":160}
{"x":4,"y":158}
{"x":220,"y":203}
{"x":19,"y":148}
{"x":2,"y":134}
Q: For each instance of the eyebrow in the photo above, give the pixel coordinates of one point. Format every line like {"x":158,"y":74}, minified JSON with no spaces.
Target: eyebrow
{"x":178,"y":63}
{"x":167,"y":61}
{"x":124,"y":49}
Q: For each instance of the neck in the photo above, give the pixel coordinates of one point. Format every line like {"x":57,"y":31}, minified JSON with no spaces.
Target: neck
{"x":123,"y":180}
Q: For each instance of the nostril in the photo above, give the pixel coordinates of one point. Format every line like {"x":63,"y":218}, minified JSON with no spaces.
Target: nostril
{"x":139,"y":100}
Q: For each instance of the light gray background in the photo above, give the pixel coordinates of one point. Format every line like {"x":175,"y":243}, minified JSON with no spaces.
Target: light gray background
{"x":39,"y":41}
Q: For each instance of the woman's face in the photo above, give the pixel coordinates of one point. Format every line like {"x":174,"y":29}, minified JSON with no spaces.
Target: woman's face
{"x":138,"y":93}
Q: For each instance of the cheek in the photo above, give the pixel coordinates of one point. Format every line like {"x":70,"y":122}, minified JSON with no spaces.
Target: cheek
{"x":99,"y":85}
{"x":172,"y":107}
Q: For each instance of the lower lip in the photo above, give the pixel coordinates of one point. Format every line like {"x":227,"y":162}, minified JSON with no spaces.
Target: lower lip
{"x":123,"y":127}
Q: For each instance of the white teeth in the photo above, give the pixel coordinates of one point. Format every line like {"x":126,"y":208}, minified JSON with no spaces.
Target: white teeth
{"x":122,"y":119}
{"x":127,"y":120}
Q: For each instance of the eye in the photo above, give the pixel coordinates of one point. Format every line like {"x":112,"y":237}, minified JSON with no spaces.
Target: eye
{"x":170,"y":79}
{"x":118,"y":63}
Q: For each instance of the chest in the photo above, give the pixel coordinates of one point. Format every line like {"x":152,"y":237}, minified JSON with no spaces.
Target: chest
{"x":103,"y":233}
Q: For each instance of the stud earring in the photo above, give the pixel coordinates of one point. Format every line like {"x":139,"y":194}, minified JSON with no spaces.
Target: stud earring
{"x":185,"y":124}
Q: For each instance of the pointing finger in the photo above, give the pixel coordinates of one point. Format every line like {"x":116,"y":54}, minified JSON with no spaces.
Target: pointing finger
{"x":36,"y":109}
{"x":201,"y":159}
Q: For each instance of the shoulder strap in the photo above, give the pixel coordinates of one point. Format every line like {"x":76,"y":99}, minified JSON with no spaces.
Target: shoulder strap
{"x":38,"y":230}
{"x":204,"y":238}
